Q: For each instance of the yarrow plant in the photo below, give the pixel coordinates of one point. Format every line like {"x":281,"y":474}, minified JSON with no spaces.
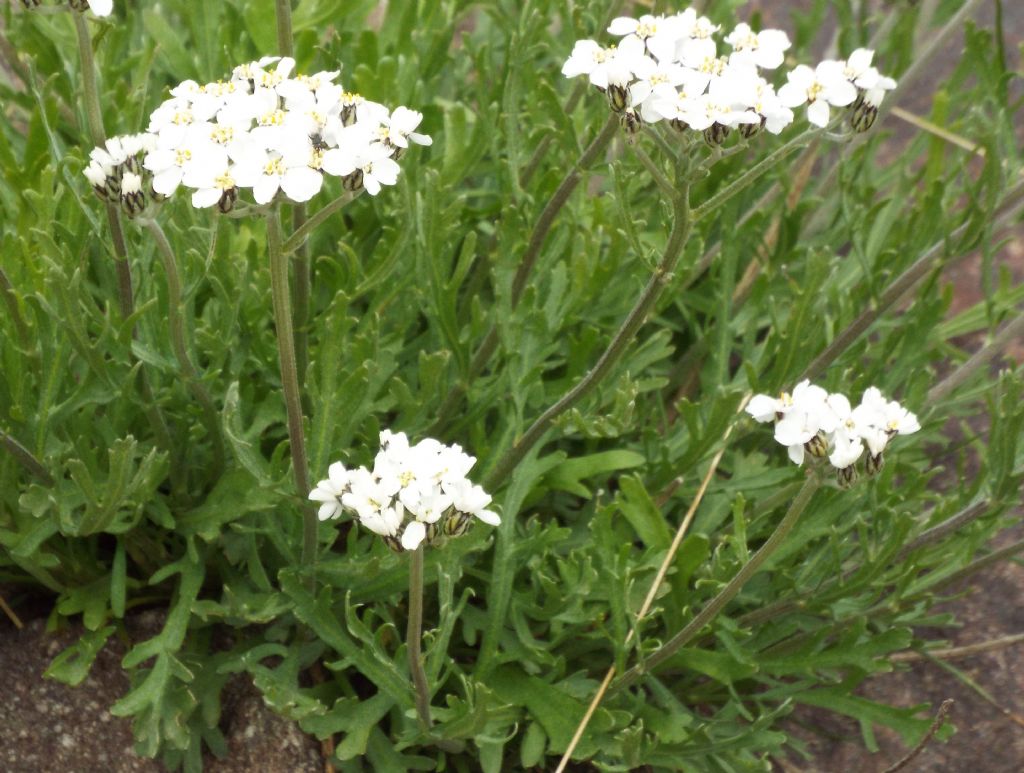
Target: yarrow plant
{"x":414,"y":494}
{"x":585,"y":317}
{"x":810,"y":420}
{"x":672,"y":68}
{"x":265,"y":130}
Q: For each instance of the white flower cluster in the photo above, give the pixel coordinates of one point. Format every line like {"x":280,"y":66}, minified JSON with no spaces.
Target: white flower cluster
{"x":98,"y":7}
{"x":672,"y":68}
{"x":413,"y":494}
{"x":116,"y":173}
{"x":269,"y":130}
{"x":822,"y":424}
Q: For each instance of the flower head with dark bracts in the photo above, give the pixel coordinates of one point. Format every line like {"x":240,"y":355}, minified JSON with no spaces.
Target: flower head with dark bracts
{"x":810,"y":420}
{"x":671,"y":67}
{"x":414,"y":494}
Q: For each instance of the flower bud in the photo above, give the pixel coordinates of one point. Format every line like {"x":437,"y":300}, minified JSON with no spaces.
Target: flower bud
{"x":227,"y":200}
{"x":353,"y":182}
{"x":631,"y":122}
{"x":863,"y":115}
{"x":618,"y":98}
{"x":679,"y":125}
{"x":874,"y":464}
{"x":846,"y":476}
{"x":133,"y":200}
{"x":817,"y":446}
{"x":749,"y":130}
{"x":715,"y":134}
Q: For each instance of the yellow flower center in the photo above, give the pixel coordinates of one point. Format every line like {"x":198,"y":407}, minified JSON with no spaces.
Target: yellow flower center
{"x":182,"y":117}
{"x":181,"y":157}
{"x":274,"y":167}
{"x":273,"y":118}
{"x":224,"y":181}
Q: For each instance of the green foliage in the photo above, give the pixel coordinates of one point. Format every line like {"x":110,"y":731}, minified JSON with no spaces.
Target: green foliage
{"x":523,"y":621}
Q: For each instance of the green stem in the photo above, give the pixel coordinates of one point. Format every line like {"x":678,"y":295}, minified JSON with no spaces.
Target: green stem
{"x":729,"y":592}
{"x":298,"y":238}
{"x":290,"y":380}
{"x":179,"y":344}
{"x":286,"y":47}
{"x":25,"y":458}
{"x":11,"y":301}
{"x":285,"y":39}
{"x":1012,"y":331}
{"x":903,"y":283}
{"x":652,"y":169}
{"x":754,"y":173}
{"x":413,"y":638}
{"x":616,"y":348}
{"x":540,"y":231}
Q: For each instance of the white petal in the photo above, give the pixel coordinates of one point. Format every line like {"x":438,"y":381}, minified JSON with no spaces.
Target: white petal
{"x":817,"y":113}
{"x":489,"y":517}
{"x":796,"y":454}
{"x":302,"y":183}
{"x":205,"y":197}
{"x":413,"y":535}
{"x":101,"y":7}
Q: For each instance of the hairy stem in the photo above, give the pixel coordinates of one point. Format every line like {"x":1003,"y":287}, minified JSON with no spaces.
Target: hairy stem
{"x":179,"y":343}
{"x":289,"y":380}
{"x":616,"y":348}
{"x":1012,"y":331}
{"x":754,"y":173}
{"x":414,"y":635}
{"x":729,"y":592}
{"x":25,"y":458}
{"x":901,"y":285}
{"x":301,"y":234}
{"x":285,"y":39}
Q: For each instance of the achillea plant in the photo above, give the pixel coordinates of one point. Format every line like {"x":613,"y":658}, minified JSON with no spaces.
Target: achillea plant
{"x":577,"y":306}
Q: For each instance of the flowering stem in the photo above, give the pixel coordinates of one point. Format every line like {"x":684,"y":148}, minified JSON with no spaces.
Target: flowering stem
{"x":1011,"y":332}
{"x":179,"y":343}
{"x":754,"y":173}
{"x":414,"y":635}
{"x":290,"y":380}
{"x":285,"y":42}
{"x":286,"y":47}
{"x":25,"y":458}
{"x":298,"y":238}
{"x":11,"y":301}
{"x":616,"y":348}
{"x":526,"y":264}
{"x":729,"y":592}
{"x":902,"y":284}
{"x":652,"y":168}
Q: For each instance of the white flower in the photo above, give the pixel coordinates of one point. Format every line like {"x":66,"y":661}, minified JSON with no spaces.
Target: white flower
{"x":825,"y":85}
{"x":414,"y":493}
{"x":101,"y":7}
{"x":658,"y":33}
{"x":765,"y":49}
{"x":330,"y":490}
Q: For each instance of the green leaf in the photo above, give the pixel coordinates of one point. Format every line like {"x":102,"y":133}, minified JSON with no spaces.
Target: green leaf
{"x":643,"y":515}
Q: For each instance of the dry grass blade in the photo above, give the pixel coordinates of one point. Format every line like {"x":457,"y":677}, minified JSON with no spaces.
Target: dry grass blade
{"x":684,"y":526}
{"x":951,"y":653}
{"x":11,"y":614}
{"x":940,"y":717}
{"x":934,"y":129}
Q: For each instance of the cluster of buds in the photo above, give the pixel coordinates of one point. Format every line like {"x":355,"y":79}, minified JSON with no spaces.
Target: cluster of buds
{"x":117,"y":174}
{"x":669,"y":68}
{"x":414,"y":493}
{"x":98,"y":7}
{"x":809,"y":420}
{"x":269,"y":131}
